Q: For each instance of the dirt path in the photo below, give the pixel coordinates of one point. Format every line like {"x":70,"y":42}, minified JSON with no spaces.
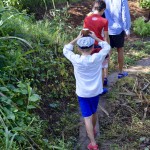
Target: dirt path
{"x":78,"y":11}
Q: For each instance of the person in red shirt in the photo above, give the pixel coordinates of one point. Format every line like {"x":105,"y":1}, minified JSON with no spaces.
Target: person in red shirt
{"x":96,"y":23}
{"x":99,"y":25}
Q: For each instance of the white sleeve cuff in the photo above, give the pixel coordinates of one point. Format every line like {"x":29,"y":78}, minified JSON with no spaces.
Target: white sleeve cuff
{"x":102,"y":43}
{"x":127,"y":32}
{"x":69,"y":47}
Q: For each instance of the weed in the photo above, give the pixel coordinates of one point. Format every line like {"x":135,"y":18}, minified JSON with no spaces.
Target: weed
{"x":140,"y":27}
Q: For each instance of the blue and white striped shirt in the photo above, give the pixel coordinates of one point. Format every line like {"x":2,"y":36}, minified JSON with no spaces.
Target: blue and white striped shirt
{"x":118,"y":16}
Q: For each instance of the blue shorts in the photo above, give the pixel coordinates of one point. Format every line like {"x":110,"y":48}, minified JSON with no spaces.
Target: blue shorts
{"x":88,"y":106}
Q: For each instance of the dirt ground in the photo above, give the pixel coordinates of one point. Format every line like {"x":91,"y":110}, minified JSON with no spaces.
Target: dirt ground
{"x":78,"y":11}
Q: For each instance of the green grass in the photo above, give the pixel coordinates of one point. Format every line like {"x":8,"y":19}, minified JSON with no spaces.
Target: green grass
{"x":126,"y":128}
{"x":133,"y":52}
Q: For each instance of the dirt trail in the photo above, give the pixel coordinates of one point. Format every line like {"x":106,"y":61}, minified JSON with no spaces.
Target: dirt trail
{"x":78,"y":11}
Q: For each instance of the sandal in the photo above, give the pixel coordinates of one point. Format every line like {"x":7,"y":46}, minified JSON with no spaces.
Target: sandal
{"x":91,"y":147}
{"x":121,"y":75}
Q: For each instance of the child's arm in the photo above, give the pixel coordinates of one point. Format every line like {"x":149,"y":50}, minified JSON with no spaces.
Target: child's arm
{"x":68,"y":49}
{"x":106,"y":36}
{"x":75,"y":40}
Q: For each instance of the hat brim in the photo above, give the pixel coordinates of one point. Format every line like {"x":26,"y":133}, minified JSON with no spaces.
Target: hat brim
{"x":87,"y":47}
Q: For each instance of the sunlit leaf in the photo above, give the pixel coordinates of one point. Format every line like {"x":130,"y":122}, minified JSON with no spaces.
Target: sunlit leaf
{"x":34,"y":98}
{"x":11,"y":116}
{"x":53,"y":105}
{"x":4,"y":89}
{"x":30,"y":107}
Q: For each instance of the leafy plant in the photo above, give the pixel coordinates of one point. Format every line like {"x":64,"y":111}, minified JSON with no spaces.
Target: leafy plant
{"x":145,"y":4}
{"x":32,"y":62}
{"x":141,"y":28}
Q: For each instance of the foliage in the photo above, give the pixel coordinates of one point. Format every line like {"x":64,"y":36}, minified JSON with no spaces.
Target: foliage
{"x":145,"y":4}
{"x":127,"y":126}
{"x":37,"y":7}
{"x":32,"y":67}
{"x":134,"y":51}
{"x":15,"y":117}
{"x":140,"y":27}
{"x":31,"y":54}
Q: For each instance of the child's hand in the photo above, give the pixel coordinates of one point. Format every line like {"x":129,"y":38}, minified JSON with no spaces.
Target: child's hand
{"x":75,"y":40}
{"x":92,"y":34}
{"x":79,"y":36}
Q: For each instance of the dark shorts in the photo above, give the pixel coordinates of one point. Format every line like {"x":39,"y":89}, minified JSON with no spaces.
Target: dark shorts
{"x":88,"y":106}
{"x":117,"y":40}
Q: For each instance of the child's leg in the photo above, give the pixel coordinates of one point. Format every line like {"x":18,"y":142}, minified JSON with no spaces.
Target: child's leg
{"x":105,"y":66}
{"x":120,"y":59}
{"x":105,"y":72}
{"x":89,"y":129}
{"x":94,"y":119}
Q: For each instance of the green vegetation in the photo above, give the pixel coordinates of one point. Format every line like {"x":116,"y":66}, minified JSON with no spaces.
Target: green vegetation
{"x":128,"y":125}
{"x":140,"y":27}
{"x":38,"y":106}
{"x":145,"y":4}
{"x":36,"y":82}
{"x":38,"y":7}
{"x":134,"y":51}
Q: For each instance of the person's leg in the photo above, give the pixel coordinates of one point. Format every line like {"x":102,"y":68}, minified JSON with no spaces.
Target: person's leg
{"x":103,"y":74}
{"x":105,"y":80}
{"x":94,"y":119}
{"x":88,"y":107}
{"x":89,"y":129}
{"x":120,"y":58}
{"x":121,"y":73}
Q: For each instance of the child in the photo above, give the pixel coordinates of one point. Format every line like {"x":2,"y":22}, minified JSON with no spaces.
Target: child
{"x":99,"y":25}
{"x":88,"y":75}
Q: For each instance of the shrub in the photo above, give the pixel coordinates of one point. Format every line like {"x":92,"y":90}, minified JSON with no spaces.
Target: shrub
{"x":141,"y":28}
{"x":145,"y":4}
{"x":44,"y":66}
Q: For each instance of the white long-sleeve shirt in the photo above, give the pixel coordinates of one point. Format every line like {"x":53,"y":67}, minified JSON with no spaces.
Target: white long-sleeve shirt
{"x":118,"y":15}
{"x":87,"y":70}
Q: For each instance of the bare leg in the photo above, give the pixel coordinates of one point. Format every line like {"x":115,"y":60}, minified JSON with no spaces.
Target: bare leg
{"x":120,"y":58}
{"x":105,"y":72}
{"x":94,"y":119}
{"x":89,"y":129}
{"x":106,"y":69}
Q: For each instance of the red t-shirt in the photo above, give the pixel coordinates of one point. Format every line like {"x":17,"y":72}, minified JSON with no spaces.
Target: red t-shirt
{"x":96,"y":23}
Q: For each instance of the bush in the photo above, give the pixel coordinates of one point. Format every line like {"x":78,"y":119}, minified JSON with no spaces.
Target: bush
{"x":38,"y":7}
{"x":145,"y":4}
{"x":44,"y":66}
{"x":141,"y":28}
